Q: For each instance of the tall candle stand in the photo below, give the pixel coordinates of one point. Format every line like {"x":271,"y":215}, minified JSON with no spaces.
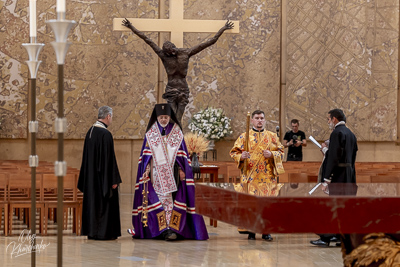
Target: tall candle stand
{"x":33,"y":63}
{"x":61,"y":28}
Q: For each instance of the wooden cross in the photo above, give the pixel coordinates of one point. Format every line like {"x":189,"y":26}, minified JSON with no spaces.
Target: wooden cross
{"x":176,"y":25}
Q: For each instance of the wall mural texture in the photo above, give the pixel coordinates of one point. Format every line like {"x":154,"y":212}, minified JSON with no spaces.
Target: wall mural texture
{"x":343,"y":54}
{"x":339,"y":54}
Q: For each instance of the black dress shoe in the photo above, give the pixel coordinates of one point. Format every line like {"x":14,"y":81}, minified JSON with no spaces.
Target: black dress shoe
{"x":267,"y":237}
{"x":170,"y":236}
{"x":320,"y":243}
{"x":252,"y":236}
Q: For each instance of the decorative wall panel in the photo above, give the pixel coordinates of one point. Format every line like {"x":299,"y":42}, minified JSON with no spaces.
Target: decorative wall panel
{"x":239,"y":73}
{"x":343,"y":54}
{"x":340,"y":54}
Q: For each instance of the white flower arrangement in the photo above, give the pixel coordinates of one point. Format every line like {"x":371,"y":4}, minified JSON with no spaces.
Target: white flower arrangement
{"x":212,"y":123}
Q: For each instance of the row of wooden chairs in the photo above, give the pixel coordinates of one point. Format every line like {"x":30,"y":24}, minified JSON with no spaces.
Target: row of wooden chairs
{"x":307,"y":172}
{"x":15,"y":195}
{"x":366,"y":172}
{"x":227,"y":170}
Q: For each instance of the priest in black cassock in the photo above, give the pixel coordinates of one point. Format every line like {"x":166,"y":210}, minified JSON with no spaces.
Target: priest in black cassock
{"x":98,"y":180}
{"x":338,"y":170}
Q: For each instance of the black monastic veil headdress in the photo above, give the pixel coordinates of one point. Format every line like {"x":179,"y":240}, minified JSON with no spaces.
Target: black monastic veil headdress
{"x":162,"y":109}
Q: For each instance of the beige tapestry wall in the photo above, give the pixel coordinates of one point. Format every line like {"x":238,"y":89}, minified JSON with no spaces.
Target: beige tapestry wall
{"x":339,"y":54}
{"x":343,"y":54}
{"x":239,"y":73}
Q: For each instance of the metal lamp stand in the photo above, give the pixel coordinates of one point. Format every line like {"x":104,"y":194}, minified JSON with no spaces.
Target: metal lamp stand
{"x":61,"y":28}
{"x":33,"y":63}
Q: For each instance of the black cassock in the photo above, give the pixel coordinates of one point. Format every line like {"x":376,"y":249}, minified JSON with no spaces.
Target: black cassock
{"x":339,"y":165}
{"x":99,"y":171}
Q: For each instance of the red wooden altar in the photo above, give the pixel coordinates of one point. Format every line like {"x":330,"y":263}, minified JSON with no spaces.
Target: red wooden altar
{"x":369,"y":208}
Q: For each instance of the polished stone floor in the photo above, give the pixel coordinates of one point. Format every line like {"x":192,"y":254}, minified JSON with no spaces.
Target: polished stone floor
{"x":224,"y":248}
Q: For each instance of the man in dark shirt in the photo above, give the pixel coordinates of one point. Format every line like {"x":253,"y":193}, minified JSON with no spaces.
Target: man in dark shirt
{"x":295,"y":140}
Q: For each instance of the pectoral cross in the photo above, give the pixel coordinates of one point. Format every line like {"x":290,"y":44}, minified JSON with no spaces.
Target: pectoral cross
{"x":176,"y":25}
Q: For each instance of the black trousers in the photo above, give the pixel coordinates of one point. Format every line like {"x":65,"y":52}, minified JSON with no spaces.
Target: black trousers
{"x":291,"y":158}
{"x":327,"y":237}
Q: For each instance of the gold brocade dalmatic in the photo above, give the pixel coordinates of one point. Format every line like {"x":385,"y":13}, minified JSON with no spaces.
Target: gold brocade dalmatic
{"x":261,"y":169}
{"x":260,"y":180}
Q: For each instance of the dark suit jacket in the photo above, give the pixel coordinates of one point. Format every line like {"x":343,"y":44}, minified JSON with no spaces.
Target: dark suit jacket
{"x":341,"y":156}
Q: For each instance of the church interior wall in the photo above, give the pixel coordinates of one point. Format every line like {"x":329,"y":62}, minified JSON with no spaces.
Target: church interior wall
{"x":339,"y":54}
{"x":343,"y":55}
{"x":104,"y":67}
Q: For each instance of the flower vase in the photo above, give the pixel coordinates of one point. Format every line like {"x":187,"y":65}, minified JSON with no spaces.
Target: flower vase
{"x":211,"y":145}
{"x":195,"y":166}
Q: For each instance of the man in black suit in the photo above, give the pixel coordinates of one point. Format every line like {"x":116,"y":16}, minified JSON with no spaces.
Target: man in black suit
{"x":339,"y":164}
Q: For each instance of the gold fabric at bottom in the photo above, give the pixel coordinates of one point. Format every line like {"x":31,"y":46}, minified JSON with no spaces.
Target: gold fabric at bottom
{"x":162,"y":221}
{"x":175,"y":220}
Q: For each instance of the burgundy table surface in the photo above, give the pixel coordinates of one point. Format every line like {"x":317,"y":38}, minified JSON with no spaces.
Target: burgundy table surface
{"x":370,"y":208}
{"x":213,"y":171}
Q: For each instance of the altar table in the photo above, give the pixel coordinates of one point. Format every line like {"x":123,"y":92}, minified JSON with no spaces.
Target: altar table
{"x":362,"y":208}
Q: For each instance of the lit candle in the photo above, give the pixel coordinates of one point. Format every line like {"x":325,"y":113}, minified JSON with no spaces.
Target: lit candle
{"x":60,"y":6}
{"x":32,"y":18}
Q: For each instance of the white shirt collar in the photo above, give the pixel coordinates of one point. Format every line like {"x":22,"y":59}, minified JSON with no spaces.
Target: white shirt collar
{"x":340,"y":123}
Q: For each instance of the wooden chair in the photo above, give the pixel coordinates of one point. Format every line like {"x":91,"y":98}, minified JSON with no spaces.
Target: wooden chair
{"x":312,"y":178}
{"x":74,"y":201}
{"x":223,"y":171}
{"x":298,"y":178}
{"x":22,"y":181}
{"x":284,"y":177}
{"x":385,"y":179}
{"x":363,"y":178}
{"x":4,"y":201}
{"x":233,"y":173}
{"x":70,"y":200}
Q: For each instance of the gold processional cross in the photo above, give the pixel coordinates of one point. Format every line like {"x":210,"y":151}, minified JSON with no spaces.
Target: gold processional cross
{"x":176,"y":25}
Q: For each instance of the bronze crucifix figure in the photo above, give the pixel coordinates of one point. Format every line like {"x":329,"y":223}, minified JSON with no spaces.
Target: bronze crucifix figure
{"x":176,"y":62}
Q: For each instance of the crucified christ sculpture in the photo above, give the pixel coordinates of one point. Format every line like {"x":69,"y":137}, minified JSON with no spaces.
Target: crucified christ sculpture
{"x":176,"y":62}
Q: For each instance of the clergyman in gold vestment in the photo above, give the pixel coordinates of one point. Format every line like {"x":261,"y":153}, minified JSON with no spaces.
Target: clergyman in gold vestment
{"x":265,"y":154}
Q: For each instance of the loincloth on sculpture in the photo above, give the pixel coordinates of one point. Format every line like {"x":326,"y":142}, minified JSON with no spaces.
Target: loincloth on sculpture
{"x":177,"y":95}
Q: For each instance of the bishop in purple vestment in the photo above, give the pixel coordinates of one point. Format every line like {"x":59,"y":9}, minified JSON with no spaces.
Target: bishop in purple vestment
{"x":163,"y":206}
